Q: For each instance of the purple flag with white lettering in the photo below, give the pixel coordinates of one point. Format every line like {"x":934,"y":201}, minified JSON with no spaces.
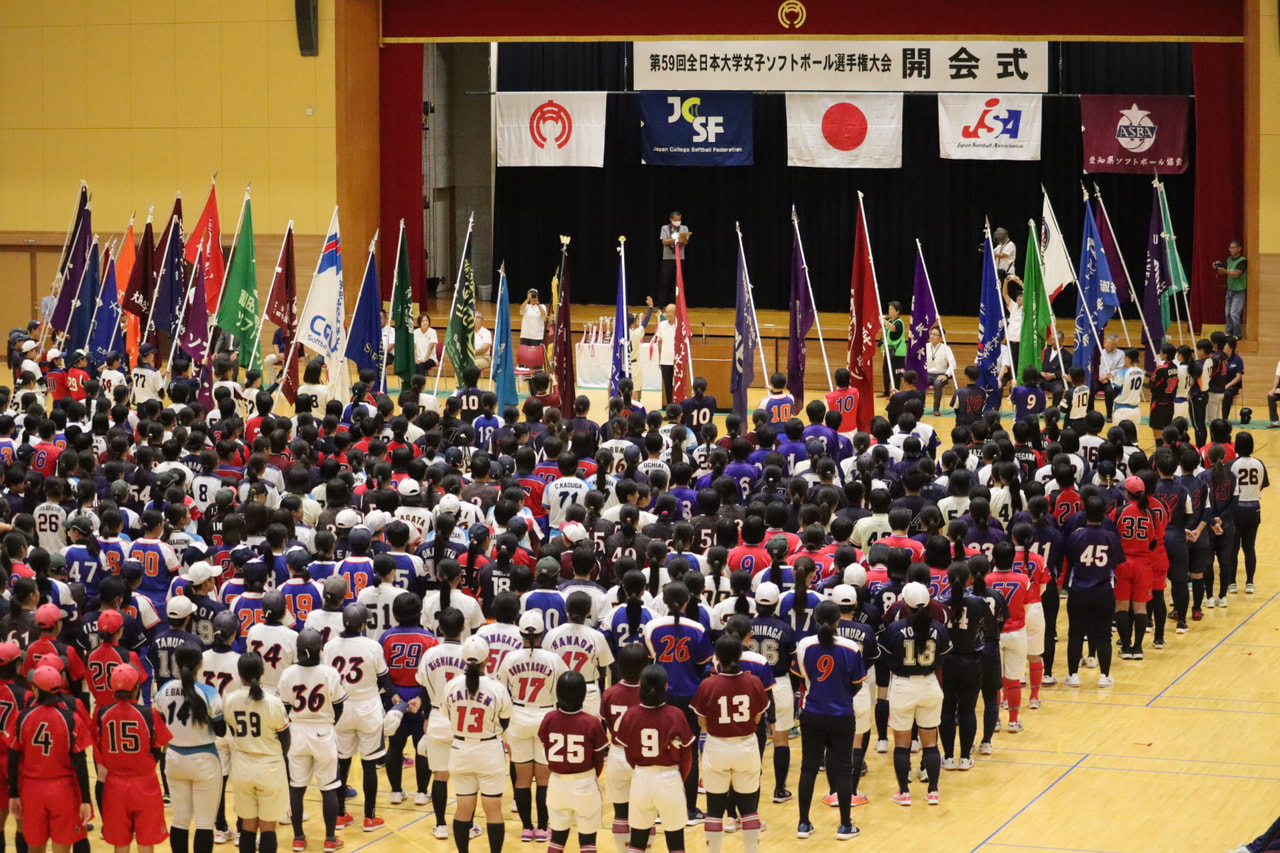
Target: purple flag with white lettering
{"x":73,"y":274}
{"x":802,"y":317}
{"x":924,"y":316}
{"x":1156,"y":282}
{"x":1124,"y":291}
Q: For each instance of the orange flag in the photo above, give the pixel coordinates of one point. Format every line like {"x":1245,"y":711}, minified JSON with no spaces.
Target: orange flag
{"x":214,"y":266}
{"x":124,"y":267}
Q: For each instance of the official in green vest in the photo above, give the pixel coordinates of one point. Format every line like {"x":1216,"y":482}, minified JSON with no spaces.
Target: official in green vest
{"x":1235,"y":269}
{"x":895,"y":343}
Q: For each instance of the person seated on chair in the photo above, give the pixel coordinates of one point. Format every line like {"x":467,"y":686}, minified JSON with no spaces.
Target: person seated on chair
{"x":483,"y":341}
{"x":1051,"y":366}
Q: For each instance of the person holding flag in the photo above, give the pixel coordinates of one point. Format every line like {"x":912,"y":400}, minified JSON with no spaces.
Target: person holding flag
{"x":991,"y":323}
{"x":746,"y":337}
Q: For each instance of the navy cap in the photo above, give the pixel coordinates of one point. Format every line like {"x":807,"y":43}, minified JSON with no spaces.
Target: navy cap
{"x":131,"y":569}
{"x":147,"y":349}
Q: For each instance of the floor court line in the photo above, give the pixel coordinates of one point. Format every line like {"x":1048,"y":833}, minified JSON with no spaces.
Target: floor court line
{"x":1215,"y":646}
{"x":392,"y":832}
{"x":1028,"y":805}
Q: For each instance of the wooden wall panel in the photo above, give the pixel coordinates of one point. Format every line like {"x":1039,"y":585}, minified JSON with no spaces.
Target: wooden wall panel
{"x":357,"y":161}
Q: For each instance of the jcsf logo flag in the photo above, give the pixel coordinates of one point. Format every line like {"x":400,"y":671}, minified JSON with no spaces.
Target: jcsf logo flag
{"x":989,"y":127}
{"x":696,"y":129}
{"x":551,"y":129}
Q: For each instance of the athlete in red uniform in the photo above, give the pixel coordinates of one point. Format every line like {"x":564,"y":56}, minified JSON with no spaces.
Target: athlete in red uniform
{"x":13,"y":697}
{"x":614,"y":702}
{"x":575,"y":744}
{"x":49,"y":621}
{"x":48,"y":773}
{"x":107,"y":656}
{"x":129,"y":740}
{"x":1140,"y":534}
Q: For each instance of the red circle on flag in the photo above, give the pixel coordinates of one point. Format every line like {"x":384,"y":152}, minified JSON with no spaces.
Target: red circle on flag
{"x":844,"y":126}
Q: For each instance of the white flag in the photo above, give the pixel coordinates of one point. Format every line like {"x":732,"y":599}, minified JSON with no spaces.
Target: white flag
{"x":551,"y":128}
{"x":321,"y":326}
{"x":989,"y":127}
{"x":1058,"y":272}
{"x":842,"y":130}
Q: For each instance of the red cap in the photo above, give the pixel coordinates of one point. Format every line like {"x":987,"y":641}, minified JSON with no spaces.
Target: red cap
{"x":9,"y":652}
{"x":1135,"y":486}
{"x":124,"y":678}
{"x":110,"y":621}
{"x":50,"y":660}
{"x":47,"y":615}
{"x":47,"y":679}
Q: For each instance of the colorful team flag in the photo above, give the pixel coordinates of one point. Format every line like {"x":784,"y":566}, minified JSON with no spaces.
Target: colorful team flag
{"x":1037,"y":311}
{"x":864,"y":320}
{"x":1097,"y":300}
{"x":1053,"y":252}
{"x":562,"y":350}
{"x":124,"y":262}
{"x":282,"y":309}
{"x":142,"y":278}
{"x":802,"y":316}
{"x":402,"y":311}
{"x":364,"y":340}
{"x":1156,"y":283}
{"x":166,"y":308}
{"x":194,"y":335}
{"x":320,"y":325}
{"x":503,"y":359}
{"x":105,"y":337}
{"x":459,"y":338}
{"x":1101,"y":221}
{"x":238,"y":310}
{"x":924,"y":316}
{"x":210,"y":252}
{"x":73,"y":272}
{"x":682,"y":378}
{"x":746,"y":337}
{"x":86,"y":297}
{"x":990,"y":324}
{"x":621,"y":365}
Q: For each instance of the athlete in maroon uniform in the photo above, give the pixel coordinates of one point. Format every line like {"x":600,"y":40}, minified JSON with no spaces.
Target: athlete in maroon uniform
{"x":657,"y":740}
{"x":129,"y":740}
{"x":575,"y":744}
{"x":614,"y":703}
{"x":48,"y":773}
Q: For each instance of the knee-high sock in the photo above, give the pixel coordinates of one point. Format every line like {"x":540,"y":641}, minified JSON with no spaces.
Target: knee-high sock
{"x":497,"y":833}
{"x":423,"y":774}
{"x":1197,"y":593}
{"x":524,"y":806}
{"x":1139,"y":630}
{"x":1124,"y":627}
{"x":882,"y":719}
{"x":221,"y":822}
{"x":1037,"y":677}
{"x":621,"y":829}
{"x":714,"y":825}
{"x":462,"y":835}
{"x":370,"y":786}
{"x":781,"y":767}
{"x":440,"y":799}
{"x":395,"y":764}
{"x":179,"y":840}
{"x":902,"y":766}
{"x":559,"y":838}
{"x":1181,"y":597}
{"x":344,"y":771}
{"x":295,"y":810}
{"x":1158,"y":613}
{"x":267,"y":842}
{"x":329,"y":811}
{"x":203,"y":842}
{"x":540,"y":804}
{"x":751,"y":833}
{"x":859,"y":756}
{"x":20,"y":843}
{"x":586,"y":842}
{"x":932,"y":766}
{"x":1013,"y":694}
{"x":248,"y":842}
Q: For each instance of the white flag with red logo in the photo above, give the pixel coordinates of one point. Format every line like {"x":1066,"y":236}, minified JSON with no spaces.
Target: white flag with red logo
{"x":843,"y":130}
{"x":551,"y":129}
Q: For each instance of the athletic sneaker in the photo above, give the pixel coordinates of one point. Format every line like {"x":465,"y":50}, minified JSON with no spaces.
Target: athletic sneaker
{"x":1196,"y":616}
{"x":1125,"y":654}
{"x":372,"y":824}
{"x":1091,"y":662}
{"x":997,"y":728}
{"x":831,"y":799}
{"x":932,"y":798}
{"x":344,"y":820}
{"x":845,"y":831}
{"x":1048,"y":681}
{"x":915,"y":745}
{"x":804,"y":830}
{"x":526,"y":836}
{"x":964,"y":764}
{"x":859,"y":800}
{"x":1071,"y":681}
{"x":730,"y":824}
{"x":332,"y":844}
{"x":1232,"y":589}
{"x":1105,"y":681}
{"x":1033,"y":704}
{"x":1137,"y":654}
{"x":922,"y":775}
{"x":1157,"y":644}
{"x":1222,"y":601}
{"x":420,"y":799}
{"x":299,"y":842}
{"x":542,"y":836}
{"x":397,"y":797}
{"x":882,"y":746}
{"x":1248,"y":589}
{"x":1015,"y":726}
{"x":352,"y":793}
{"x":476,"y":830}
{"x":441,"y":831}
{"x":901,"y":798}
{"x":221,"y":836}
{"x":984,"y":748}
{"x":1210,"y":602}
{"x":1181,"y":629}
{"x":781,"y":795}
{"x":695,"y":817}
{"x":949,"y":763}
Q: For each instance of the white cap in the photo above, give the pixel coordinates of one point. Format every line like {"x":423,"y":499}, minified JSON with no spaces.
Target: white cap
{"x":855,"y":575}
{"x":768,"y":593}
{"x":376,"y":520}
{"x":475,"y":650}
{"x":347,"y":518}
{"x":844,"y":595}
{"x":574,"y":532}
{"x":408,"y":487}
{"x":531,"y":622}
{"x":448,"y":504}
{"x":28,"y":346}
{"x":180,"y":607}
{"x":200,"y":571}
{"x":54,"y":353}
{"x":915,"y":595}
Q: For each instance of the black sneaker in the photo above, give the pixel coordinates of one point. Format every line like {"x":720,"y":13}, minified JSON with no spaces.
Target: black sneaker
{"x":781,"y":795}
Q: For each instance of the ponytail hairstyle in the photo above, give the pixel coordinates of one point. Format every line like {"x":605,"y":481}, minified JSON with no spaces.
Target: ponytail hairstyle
{"x":956,"y":531}
{"x":448,"y":571}
{"x":1009,"y":472}
{"x":633,"y":586}
{"x":655,"y":556}
{"x":697,"y":586}
{"x":1217,"y":459}
{"x":777,"y":550}
{"x":827,"y":615}
{"x":740,"y":587}
{"x":958,"y":577}
{"x":1038,"y":507}
{"x":921,"y":622}
{"x":729,"y":654}
{"x":251,"y":668}
{"x":604,"y":464}
{"x":479,"y":534}
{"x":800,"y":594}
{"x":474,"y":671}
{"x":978,"y":568}
{"x":445,"y":524}
{"x":676,"y":598}
{"x":384,"y":568}
{"x":193,"y":710}
{"x":716,"y":558}
{"x":653,"y":686}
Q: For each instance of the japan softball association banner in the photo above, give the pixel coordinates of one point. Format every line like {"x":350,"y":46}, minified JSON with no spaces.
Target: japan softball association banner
{"x":551,"y":128}
{"x":844,"y":131}
{"x":1137,"y":134}
{"x":696,"y":128}
{"x":989,"y":127}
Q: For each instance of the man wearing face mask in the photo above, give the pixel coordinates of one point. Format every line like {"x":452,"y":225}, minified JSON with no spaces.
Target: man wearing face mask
{"x":675,"y":231}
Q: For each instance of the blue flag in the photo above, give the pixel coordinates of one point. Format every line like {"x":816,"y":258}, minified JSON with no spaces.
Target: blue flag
{"x":106,"y":325}
{"x":621,"y":367}
{"x":745,"y":336}
{"x":364,"y":343}
{"x":1097,"y":300}
{"x":171,"y":285}
{"x":990,"y":326}
{"x":73,"y":273}
{"x":504,"y":361}
{"x":924,"y":316}
{"x":85,"y":300}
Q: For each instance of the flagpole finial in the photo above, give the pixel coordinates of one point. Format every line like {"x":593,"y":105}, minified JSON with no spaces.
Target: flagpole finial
{"x":794,"y":218}
{"x":564,"y":240}
{"x":859,"y":195}
{"x":919,"y":248}
{"x":1043,"y":191}
{"x":622,"y":238}
{"x":737,"y":227}
{"x":1031,"y":223}
{"x":214,"y":179}
{"x":1084,"y":191}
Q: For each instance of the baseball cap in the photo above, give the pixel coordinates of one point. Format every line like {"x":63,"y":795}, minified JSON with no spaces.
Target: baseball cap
{"x":475,"y":650}
{"x":131,"y":569}
{"x":119,"y":490}
{"x":124,"y":678}
{"x":47,"y":615}
{"x":360,"y":536}
{"x":547,"y":566}
{"x":531,"y":622}
{"x":453,"y":455}
{"x":844,"y":595}
{"x":915,"y":595}
{"x":54,"y":353}
{"x":77,"y":355}
{"x":48,"y":679}
{"x":200,"y":572}
{"x":80,"y":524}
{"x":147,"y":349}
{"x":813,"y":447}
{"x":28,"y":346}
{"x":408,"y":487}
{"x":255,"y":572}
{"x":574,"y":532}
{"x":855,"y":575}
{"x":376,"y":520}
{"x":335,"y":585}
{"x":449,"y":504}
{"x":768,"y":593}
{"x":179,"y":607}
{"x":9,"y":652}
{"x":347,"y":518}
{"x":225,"y":498}
{"x":110,"y":621}
{"x":1135,"y":486}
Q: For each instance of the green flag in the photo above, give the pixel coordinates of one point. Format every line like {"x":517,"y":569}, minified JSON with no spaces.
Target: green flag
{"x":238,"y":311}
{"x":1177,"y":274}
{"x":459,"y":340}
{"x":1037,"y":312}
{"x":402,"y":311}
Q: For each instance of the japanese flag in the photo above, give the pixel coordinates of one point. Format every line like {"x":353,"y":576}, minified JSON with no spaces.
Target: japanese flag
{"x":844,"y":130}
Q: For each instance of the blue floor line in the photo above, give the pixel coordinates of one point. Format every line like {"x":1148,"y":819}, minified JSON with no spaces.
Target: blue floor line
{"x":1019,"y":812}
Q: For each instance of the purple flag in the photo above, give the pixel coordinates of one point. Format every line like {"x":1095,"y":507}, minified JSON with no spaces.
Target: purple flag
{"x":169,"y":285}
{"x":990,"y":326}
{"x":77,"y":265}
{"x":745,"y":337}
{"x":1156,"y":282}
{"x":1124,"y":291}
{"x":802,"y":317}
{"x":194,"y":338}
{"x":924,"y":316}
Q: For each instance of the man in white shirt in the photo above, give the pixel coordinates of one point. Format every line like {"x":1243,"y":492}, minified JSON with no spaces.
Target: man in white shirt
{"x":1013,"y":311}
{"x":940,"y":362}
{"x":1110,"y":370}
{"x":666,"y":336}
{"x":483,"y":341}
{"x":1006,"y":253}
{"x":533,"y":320}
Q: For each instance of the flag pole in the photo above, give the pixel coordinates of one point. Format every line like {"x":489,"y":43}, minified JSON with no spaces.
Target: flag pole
{"x":234,"y":240}
{"x":164,"y":257}
{"x":1128,"y":341}
{"x":1097,"y":193}
{"x":75,"y":299}
{"x":1053,"y":320}
{"x":929,"y":284}
{"x":502,"y":286}
{"x":182,"y":313}
{"x":457,"y":285}
{"x":688,"y":348}
{"x":93,"y":321}
{"x":59,"y":279}
{"x":755,"y":321}
{"x":71,"y":227}
{"x":1173,"y":239}
{"x":626,"y":341}
{"x":875,"y":284}
{"x":795,"y":223}
{"x":293,"y":345}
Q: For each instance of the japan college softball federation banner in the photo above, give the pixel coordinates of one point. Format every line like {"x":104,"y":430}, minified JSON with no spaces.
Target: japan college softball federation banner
{"x":844,"y":131}
{"x":696,"y":128}
{"x":551,"y":129}
{"x":989,"y":127}
{"x":1134,"y":133}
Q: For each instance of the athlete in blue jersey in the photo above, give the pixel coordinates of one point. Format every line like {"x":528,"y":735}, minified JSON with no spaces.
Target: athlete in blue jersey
{"x":159,"y":562}
{"x":779,"y":404}
{"x":404,"y":645}
{"x":773,"y":638}
{"x":300,"y":591}
{"x":86,"y":561}
{"x":247,"y":606}
{"x":486,"y":423}
{"x":357,"y":568}
{"x":1093,"y":555}
{"x":1028,"y":398}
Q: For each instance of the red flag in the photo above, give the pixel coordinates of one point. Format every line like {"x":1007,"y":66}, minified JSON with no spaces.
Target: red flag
{"x":864,"y":321}
{"x":214,"y":265}
{"x":562,"y":352}
{"x":681,"y":380}
{"x":124,"y":271}
{"x":142,"y":276}
{"x":282,"y":310}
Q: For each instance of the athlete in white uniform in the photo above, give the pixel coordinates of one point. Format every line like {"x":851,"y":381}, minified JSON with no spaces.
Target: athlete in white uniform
{"x":1129,"y":400}
{"x":193,"y":771}
{"x":440,"y":665}
{"x":378,"y":598}
{"x":478,"y":708}
{"x":219,"y":669}
{"x":315,"y":694}
{"x":502,"y":635}
{"x":582,"y":648}
{"x":274,"y":640}
{"x":529,"y":676}
{"x":363,"y":667}
{"x":259,"y":729}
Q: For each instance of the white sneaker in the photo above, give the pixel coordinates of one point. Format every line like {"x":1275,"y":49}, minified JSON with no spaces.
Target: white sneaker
{"x":964,"y":764}
{"x":949,"y":763}
{"x":420,"y":799}
{"x":441,"y":831}
{"x":1105,"y":681}
{"x":1033,"y":704}
{"x":476,"y":830}
{"x":396,"y":798}
{"x":1210,"y":602}
{"x":1015,"y":726}
{"x":997,"y":724}
{"x":1222,"y":602}
{"x":984,"y":748}
{"x":882,"y":746}
{"x":1048,"y":681}
{"x":915,"y":745}
{"x":1091,"y":662}
{"x":1071,"y":681}
{"x":922,"y":775}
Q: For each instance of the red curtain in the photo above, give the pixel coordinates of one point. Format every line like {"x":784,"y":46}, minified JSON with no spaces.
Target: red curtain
{"x":400,"y":140}
{"x":1219,"y":213}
